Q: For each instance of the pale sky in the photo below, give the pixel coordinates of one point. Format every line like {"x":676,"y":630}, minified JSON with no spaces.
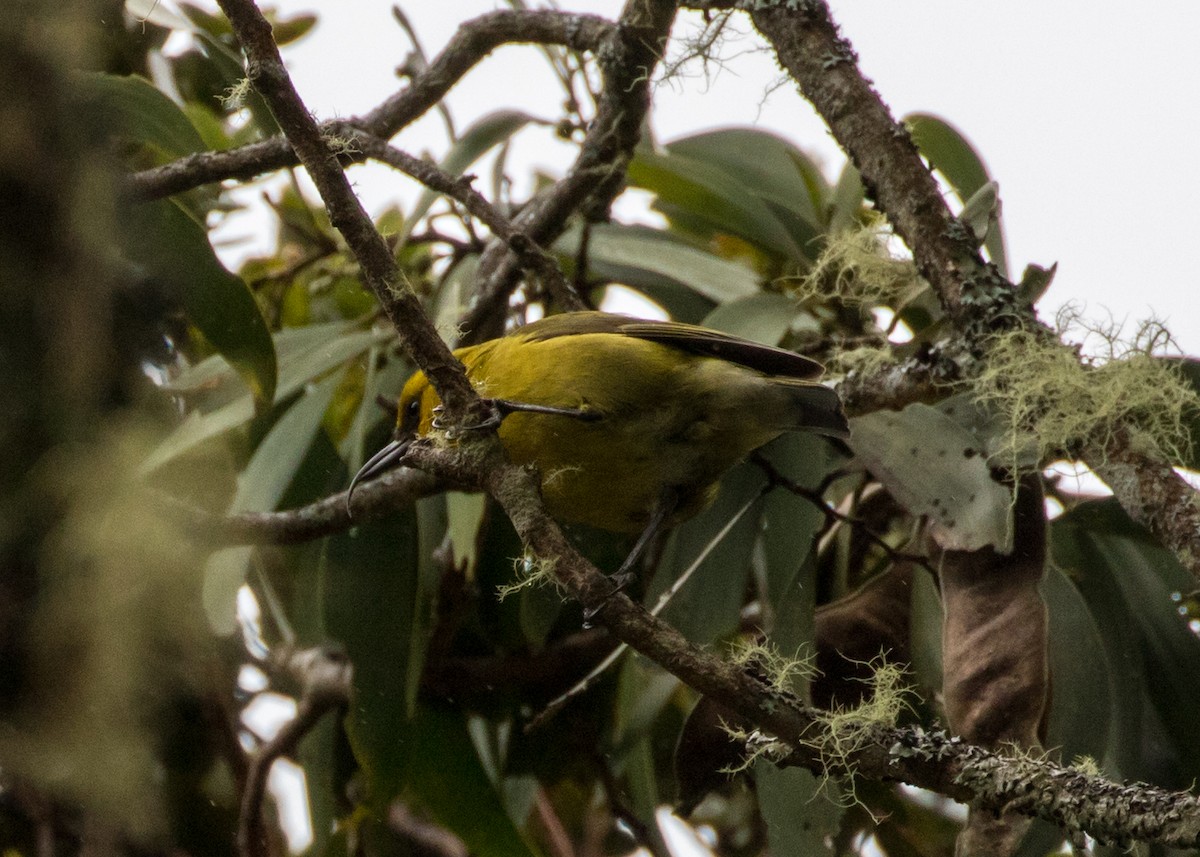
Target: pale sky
{"x":1086,"y":113}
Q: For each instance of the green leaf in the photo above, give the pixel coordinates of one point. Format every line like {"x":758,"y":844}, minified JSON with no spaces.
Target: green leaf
{"x":800,"y":815}
{"x":709,"y":604}
{"x":769,"y":167}
{"x":260,"y":486}
{"x":303,"y":366}
{"x":1132,"y":585}
{"x":848,"y":198}
{"x":288,"y":30}
{"x":633,"y":255}
{"x":790,"y":526}
{"x":446,"y":777}
{"x":935,"y":467}
{"x":371,"y":594}
{"x":703,"y":194}
{"x":489,"y":131}
{"x":952,"y":155}
{"x":1082,"y":702}
{"x":142,"y":112}
{"x":173,"y":247}
{"x":765,"y":317}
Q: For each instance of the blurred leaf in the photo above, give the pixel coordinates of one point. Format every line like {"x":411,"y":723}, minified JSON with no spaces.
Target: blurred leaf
{"x":801,"y":816}
{"x":1083,"y":690}
{"x":173,"y":247}
{"x":633,"y":255}
{"x":540,"y":608}
{"x":935,"y":467}
{"x":155,"y":12}
{"x":431,"y":520}
{"x":847,"y":203}
{"x":446,"y":776}
{"x":260,"y":486}
{"x":981,"y":211}
{"x":288,"y":30}
{"x":474,"y":142}
{"x":1034,"y":281}
{"x":303,"y":366}
{"x":274,"y":463}
{"x":318,"y":756}
{"x":371,"y":586}
{"x":955,"y":158}
{"x":765,"y":317}
{"x":142,"y":112}
{"x":215,"y":370}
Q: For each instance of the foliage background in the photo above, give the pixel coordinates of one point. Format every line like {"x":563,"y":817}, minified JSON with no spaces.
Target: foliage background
{"x":132,"y":666}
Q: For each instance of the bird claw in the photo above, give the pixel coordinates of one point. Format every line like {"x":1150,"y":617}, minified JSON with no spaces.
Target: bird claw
{"x":619,"y":581}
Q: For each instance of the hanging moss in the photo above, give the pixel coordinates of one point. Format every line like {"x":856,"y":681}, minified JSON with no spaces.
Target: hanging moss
{"x":1052,"y":400}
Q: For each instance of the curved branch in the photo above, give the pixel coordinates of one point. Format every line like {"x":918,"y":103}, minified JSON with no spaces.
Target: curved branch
{"x":473,"y":41}
{"x":627,"y":58}
{"x":531,"y":257}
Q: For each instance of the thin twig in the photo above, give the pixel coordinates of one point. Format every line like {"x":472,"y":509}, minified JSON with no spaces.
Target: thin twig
{"x":531,"y":256}
{"x":325,"y":678}
{"x":473,"y":41}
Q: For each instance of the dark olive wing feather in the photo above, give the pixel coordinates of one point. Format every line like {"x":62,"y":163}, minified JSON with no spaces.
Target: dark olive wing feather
{"x":687,"y":337}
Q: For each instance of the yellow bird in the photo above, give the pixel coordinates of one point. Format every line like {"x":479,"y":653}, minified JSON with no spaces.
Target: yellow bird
{"x":631,"y":423}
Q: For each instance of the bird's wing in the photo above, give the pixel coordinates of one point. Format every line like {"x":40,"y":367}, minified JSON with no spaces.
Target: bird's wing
{"x":687,"y":337}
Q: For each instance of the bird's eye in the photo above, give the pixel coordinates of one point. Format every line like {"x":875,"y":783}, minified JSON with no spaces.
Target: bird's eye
{"x":411,"y":417}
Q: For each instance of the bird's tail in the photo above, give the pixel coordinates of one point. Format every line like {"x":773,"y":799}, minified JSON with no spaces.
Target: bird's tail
{"x":818,"y":408}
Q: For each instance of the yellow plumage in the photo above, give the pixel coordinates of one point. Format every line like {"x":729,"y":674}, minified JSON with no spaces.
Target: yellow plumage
{"x":660,"y":410}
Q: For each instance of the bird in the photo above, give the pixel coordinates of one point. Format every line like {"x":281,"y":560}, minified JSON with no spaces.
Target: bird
{"x":631,"y":423}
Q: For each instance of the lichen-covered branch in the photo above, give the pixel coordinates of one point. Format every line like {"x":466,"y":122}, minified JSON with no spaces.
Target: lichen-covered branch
{"x":981,"y":778}
{"x":1153,"y":494}
{"x":976,"y":298}
{"x":824,"y":66}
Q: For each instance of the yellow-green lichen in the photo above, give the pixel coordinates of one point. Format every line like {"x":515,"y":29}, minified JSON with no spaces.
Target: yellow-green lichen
{"x":1051,"y":400}
{"x":781,"y":672}
{"x":531,"y":572}
{"x":857,"y":267}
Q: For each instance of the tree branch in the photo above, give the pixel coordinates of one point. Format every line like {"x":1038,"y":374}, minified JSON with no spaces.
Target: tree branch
{"x":473,"y":41}
{"x":976,"y":298}
{"x":531,"y":257}
{"x":325,"y":679}
{"x":627,"y":57}
{"x":266,"y":72}
{"x":1108,"y":811}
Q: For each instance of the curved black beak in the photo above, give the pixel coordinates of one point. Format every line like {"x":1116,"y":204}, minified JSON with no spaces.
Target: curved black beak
{"x":383,"y":460}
